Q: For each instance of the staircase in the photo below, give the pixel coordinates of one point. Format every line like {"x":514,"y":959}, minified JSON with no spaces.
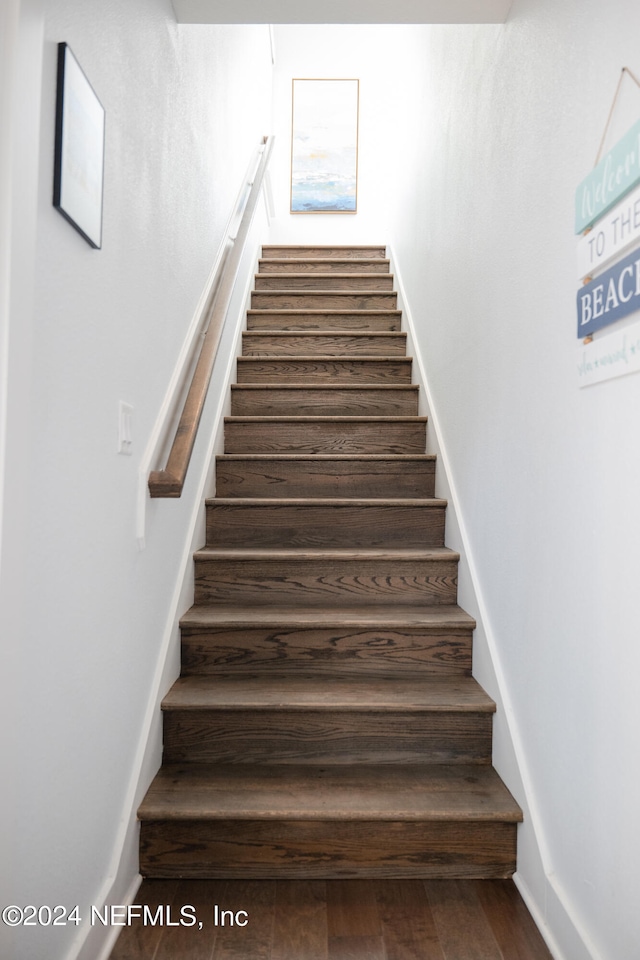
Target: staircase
{"x":326,"y":723}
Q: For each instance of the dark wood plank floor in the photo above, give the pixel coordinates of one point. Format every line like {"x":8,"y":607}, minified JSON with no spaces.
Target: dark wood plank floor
{"x":331,"y":920}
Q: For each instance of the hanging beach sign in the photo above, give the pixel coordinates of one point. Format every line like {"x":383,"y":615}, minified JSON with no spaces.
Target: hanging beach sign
{"x":608,"y":214}
{"x":617,"y":231}
{"x":613,"y":295}
{"x":616,"y":174}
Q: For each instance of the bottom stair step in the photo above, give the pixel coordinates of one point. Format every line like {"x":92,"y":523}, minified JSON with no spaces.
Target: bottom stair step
{"x":201,"y":820}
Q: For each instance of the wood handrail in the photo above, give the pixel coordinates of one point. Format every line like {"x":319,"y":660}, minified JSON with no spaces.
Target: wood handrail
{"x":170,"y":481}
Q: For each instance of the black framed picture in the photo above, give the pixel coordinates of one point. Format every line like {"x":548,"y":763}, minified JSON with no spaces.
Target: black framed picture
{"x":79,"y":152}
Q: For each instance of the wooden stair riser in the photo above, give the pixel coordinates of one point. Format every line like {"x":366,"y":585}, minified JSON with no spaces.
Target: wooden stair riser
{"x":286,"y":282}
{"x":336,"y":300}
{"x":407,"y":651}
{"x":334,"y":736}
{"x":358,"y":252}
{"x":305,"y":370}
{"x":342,"y":581}
{"x":261,"y":400}
{"x":304,"y":523}
{"x":383,"y":321}
{"x":299,"y":435}
{"x":299,"y":476}
{"x":324,"y":345}
{"x":299,"y":849}
{"x":323,"y":265}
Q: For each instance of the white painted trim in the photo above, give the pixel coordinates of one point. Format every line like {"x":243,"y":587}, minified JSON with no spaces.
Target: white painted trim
{"x":539,"y":918}
{"x":86,"y":947}
{"x":9,"y":22}
{"x":112,"y":933}
{"x":573,"y":931}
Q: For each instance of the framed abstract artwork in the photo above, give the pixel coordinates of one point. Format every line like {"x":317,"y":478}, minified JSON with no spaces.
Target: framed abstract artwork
{"x":79,"y":151}
{"x":324,"y":146}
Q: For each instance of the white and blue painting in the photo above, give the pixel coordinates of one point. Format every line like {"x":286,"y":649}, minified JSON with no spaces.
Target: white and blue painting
{"x":324,"y":149}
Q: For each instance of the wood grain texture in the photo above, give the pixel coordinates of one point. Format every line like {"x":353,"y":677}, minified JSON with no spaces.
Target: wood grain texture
{"x":408,"y":926}
{"x":286,"y":643}
{"x":283,"y":320}
{"x":368,"y":577}
{"x":307,"y":737}
{"x":272,"y":265}
{"x":300,"y":922}
{"x":445,"y":695}
{"x":312,"y":369}
{"x":323,"y":343}
{"x":454,"y":793}
{"x":324,"y":281}
{"x":316,"y":522}
{"x":325,"y":400}
{"x":141,"y":940}
{"x":294,"y":252}
{"x":352,"y":909}
{"x":341,"y":475}
{"x":255,"y":940}
{"x":511,"y":923}
{"x":356,"y":948}
{"x":408,"y":931}
{"x":298,"y":849}
{"x":463,"y":928}
{"x":327,"y":300}
{"x":179,"y":940}
{"x":324,"y":435}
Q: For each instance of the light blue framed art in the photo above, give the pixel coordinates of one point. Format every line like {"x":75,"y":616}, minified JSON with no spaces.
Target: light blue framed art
{"x":324,"y":146}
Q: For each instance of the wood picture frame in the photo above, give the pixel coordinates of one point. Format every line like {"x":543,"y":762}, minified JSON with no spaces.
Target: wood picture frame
{"x":324,"y":145}
{"x":78,"y":179}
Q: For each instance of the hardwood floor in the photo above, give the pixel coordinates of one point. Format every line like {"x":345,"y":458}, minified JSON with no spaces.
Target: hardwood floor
{"x":333,"y":920}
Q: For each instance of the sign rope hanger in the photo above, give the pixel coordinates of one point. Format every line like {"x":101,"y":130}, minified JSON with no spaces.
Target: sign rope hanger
{"x":613,"y":105}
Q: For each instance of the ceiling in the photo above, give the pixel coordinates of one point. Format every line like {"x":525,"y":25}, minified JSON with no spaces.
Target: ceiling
{"x":341,"y":11}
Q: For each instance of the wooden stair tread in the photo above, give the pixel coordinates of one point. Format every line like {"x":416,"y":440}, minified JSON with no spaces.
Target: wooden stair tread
{"x":328,"y":553}
{"x":295,"y":248}
{"x":311,"y":334}
{"x":436,"y":792}
{"x":325,"y":299}
{"x":331,"y":419}
{"x":323,"y":311}
{"x":429,"y":617}
{"x":340,"y":457}
{"x":321,"y":261}
{"x":329,"y":275}
{"x":326,"y":502}
{"x":363,"y":313}
{"x":450,"y":695}
{"x":324,"y":356}
{"x":355,"y":388}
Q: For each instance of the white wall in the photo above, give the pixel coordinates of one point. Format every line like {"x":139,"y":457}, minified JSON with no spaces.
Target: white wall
{"x":185,"y":108}
{"x":383,"y":59}
{"x":546,"y":473}
{"x":473,"y":140}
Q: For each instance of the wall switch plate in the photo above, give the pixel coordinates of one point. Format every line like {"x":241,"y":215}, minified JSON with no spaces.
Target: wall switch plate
{"x":125,"y":431}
